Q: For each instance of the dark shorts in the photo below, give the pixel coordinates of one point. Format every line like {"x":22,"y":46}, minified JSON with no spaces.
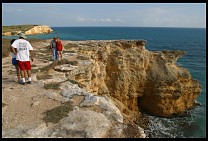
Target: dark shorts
{"x":24,"y":65}
{"x":14,"y":61}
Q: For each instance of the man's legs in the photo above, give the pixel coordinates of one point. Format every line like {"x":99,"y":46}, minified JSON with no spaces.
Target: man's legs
{"x":55,"y":54}
{"x":17,"y":72}
{"x":28,"y":68}
{"x":23,"y":76}
{"x":29,"y":76}
{"x":22,"y":71}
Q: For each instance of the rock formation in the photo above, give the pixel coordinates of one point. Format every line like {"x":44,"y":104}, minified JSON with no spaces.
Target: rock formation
{"x":137,"y":78}
{"x":106,"y":84}
{"x":39,"y":30}
{"x":36,"y":29}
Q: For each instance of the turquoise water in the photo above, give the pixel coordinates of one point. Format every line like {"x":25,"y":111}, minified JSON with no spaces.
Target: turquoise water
{"x":191,"y":40}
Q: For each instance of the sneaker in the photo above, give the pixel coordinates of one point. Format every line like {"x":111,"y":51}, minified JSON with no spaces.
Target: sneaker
{"x":23,"y":83}
{"x":29,"y":82}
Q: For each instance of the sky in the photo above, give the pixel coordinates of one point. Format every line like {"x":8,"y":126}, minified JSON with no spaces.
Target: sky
{"x":105,"y":14}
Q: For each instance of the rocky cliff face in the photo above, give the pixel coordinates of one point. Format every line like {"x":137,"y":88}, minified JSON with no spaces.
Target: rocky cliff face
{"x":137,"y":78}
{"x":39,"y":30}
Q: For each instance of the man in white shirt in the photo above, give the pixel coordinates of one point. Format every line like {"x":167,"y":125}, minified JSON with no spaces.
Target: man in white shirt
{"x":23,"y":50}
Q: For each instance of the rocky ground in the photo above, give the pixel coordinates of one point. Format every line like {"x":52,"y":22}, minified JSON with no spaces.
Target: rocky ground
{"x":96,"y":90}
{"x":54,"y":106}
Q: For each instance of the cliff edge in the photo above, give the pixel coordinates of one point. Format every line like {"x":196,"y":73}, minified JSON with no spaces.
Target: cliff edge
{"x":97,"y":90}
{"x":27,"y":29}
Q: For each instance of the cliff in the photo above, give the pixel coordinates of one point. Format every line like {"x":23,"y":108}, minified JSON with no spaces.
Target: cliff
{"x":96,"y":90}
{"x":27,"y":29}
{"x":137,"y":78}
{"x":39,"y":30}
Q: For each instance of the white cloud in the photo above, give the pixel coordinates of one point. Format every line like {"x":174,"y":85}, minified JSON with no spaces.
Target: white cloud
{"x":105,"y":20}
{"x":88,"y":20}
{"x":119,"y":20}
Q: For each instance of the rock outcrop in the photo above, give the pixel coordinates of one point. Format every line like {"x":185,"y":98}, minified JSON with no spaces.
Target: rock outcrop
{"x":39,"y":30}
{"x":105,"y":84}
{"x":137,"y":78}
{"x":36,"y":29}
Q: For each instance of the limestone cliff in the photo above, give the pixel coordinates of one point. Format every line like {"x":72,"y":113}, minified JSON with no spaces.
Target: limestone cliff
{"x":137,"y":78}
{"x":99,"y":88}
{"x":27,"y":29}
{"x":39,"y":30}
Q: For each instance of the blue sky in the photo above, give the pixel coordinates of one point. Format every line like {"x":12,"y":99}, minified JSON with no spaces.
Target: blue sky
{"x":105,"y":14}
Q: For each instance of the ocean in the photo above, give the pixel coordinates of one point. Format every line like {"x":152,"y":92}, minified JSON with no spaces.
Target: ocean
{"x":192,"y":40}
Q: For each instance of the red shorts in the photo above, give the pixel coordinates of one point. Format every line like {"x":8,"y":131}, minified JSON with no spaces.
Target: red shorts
{"x":24,"y":65}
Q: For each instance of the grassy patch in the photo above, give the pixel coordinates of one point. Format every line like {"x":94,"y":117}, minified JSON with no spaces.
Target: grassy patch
{"x":33,"y":65}
{"x":73,"y":81}
{"x":44,"y":76}
{"x":6,"y":44}
{"x":16,"y":28}
{"x":83,"y":58}
{"x":70,"y":45}
{"x":58,"y":113}
{"x":54,"y":86}
{"x":5,"y":47}
{"x":34,"y":70}
{"x":69,"y":51}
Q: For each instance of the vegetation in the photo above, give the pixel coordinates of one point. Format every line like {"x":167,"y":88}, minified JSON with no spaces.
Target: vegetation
{"x":70,"y":45}
{"x":6,"y":45}
{"x":14,"y":29}
{"x":43,"y":76}
{"x":83,"y":58}
{"x":56,"y":114}
{"x":54,"y":86}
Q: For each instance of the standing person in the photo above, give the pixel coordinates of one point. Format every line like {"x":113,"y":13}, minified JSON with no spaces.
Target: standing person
{"x":23,"y":49}
{"x":53,"y":49}
{"x":14,"y":61}
{"x":59,"y":48}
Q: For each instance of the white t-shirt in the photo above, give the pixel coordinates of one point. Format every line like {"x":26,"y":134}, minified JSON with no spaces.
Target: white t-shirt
{"x":23,"y":47}
{"x":13,"y":55}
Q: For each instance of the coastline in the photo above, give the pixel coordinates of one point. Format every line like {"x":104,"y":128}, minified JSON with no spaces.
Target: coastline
{"x":71,"y":49}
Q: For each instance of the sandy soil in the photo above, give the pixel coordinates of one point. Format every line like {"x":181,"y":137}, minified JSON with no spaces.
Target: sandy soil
{"x":22,"y":104}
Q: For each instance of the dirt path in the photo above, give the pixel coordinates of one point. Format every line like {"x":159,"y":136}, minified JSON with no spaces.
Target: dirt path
{"x":23,"y":104}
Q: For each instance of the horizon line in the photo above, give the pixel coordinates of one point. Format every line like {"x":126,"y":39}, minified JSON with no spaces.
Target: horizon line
{"x":108,"y":26}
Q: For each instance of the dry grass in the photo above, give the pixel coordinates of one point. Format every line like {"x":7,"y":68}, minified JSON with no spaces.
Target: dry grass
{"x":15,"y":28}
{"x":58,"y":113}
{"x":44,"y":76}
{"x":54,"y":86}
{"x":5,"y":47}
{"x":6,"y":44}
{"x":70,"y":45}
